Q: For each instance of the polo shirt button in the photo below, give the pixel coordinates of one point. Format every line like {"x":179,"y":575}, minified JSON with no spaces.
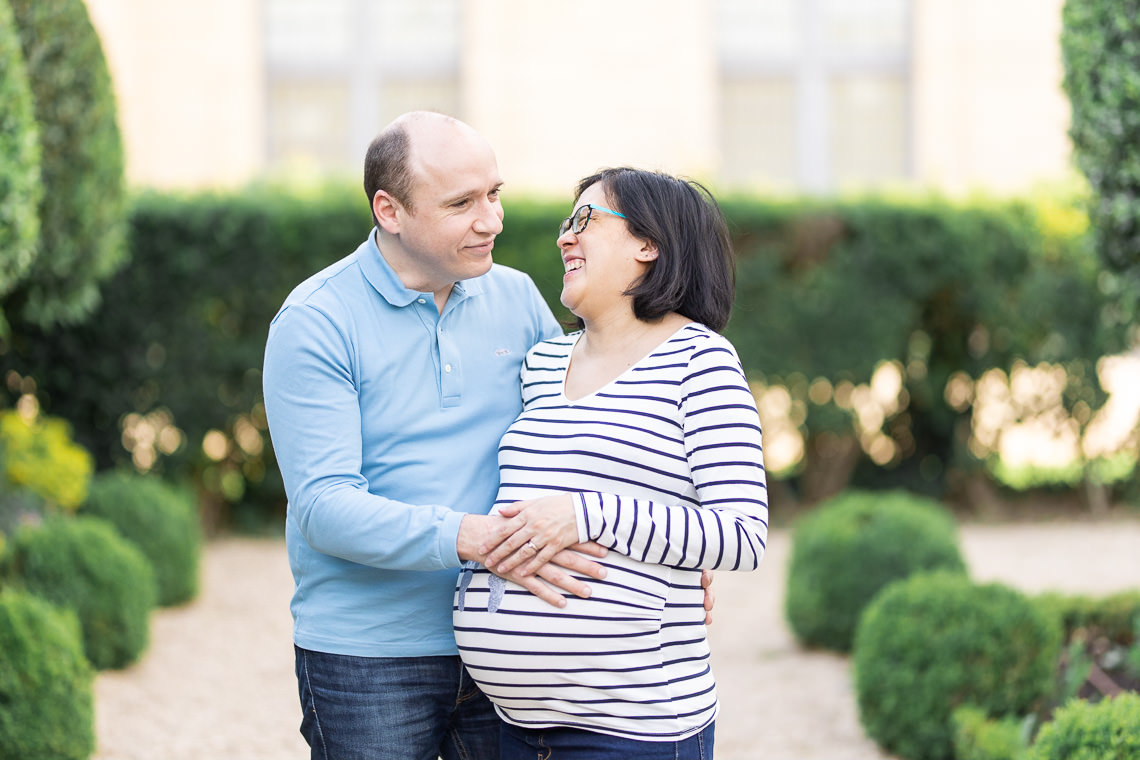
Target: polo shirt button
{"x":421,"y":301}
{"x":447,"y":368}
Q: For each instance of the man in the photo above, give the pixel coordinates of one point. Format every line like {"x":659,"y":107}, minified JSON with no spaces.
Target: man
{"x":389,"y":378}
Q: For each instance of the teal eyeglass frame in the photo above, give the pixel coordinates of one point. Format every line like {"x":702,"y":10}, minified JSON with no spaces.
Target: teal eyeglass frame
{"x":578,"y":221}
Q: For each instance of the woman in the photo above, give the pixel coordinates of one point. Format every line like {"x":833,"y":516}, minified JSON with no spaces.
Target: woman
{"x":641,"y":434}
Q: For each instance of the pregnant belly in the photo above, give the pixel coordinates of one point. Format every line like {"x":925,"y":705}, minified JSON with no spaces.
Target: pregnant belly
{"x":510,"y":639}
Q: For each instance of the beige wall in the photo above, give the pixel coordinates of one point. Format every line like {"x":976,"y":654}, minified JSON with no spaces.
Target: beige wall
{"x":564,"y":87}
{"x":989,"y":111}
{"x":188,"y":78}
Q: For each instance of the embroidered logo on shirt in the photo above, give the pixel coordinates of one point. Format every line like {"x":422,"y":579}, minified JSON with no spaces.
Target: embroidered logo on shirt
{"x":502,"y":351}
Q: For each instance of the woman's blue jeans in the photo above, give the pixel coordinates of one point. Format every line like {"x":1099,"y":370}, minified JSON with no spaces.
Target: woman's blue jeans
{"x":393,"y":708}
{"x":575,"y":744}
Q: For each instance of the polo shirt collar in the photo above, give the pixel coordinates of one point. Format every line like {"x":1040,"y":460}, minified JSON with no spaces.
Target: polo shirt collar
{"x":387,"y":283}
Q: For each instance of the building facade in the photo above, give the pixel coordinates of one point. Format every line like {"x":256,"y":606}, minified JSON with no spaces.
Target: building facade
{"x":787,"y":96}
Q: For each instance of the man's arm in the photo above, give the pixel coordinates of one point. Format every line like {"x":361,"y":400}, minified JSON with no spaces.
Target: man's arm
{"x":313,"y":408}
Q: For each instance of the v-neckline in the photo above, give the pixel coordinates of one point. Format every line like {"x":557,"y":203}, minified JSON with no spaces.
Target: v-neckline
{"x":632,"y":367}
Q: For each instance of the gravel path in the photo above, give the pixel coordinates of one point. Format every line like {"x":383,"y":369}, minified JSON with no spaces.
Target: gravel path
{"x":217,"y":680}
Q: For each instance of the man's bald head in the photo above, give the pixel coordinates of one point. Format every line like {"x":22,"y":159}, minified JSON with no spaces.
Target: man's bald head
{"x":389,"y":165}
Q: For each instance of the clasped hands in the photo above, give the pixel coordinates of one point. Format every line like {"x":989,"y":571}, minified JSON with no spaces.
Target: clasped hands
{"x":534,"y":543}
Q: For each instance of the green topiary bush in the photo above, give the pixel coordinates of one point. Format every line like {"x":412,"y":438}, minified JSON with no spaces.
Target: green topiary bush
{"x":934,"y":642}
{"x":84,"y":564}
{"x":20,"y":188}
{"x":83,"y":209}
{"x":158,"y":518}
{"x":1107,"y":730}
{"x":850,"y":547}
{"x":46,"y":698}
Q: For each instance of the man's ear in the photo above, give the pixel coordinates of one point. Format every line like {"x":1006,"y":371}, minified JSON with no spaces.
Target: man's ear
{"x":648,"y":251}
{"x":385,"y":208}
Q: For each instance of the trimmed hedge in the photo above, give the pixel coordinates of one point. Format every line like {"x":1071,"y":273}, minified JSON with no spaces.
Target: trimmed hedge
{"x":847,"y":549}
{"x":82,"y":563}
{"x":83,"y":207}
{"x":20,"y":187}
{"x":825,"y":289}
{"x":161,"y":520}
{"x":934,"y":642}
{"x":1106,"y":730}
{"x":46,"y":684}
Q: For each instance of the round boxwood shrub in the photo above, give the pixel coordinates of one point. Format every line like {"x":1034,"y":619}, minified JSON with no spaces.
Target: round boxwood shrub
{"x":1106,"y":730}
{"x":84,"y":564}
{"x":853,"y":545}
{"x":934,"y":642}
{"x":46,"y":698}
{"x":158,"y":518}
{"x":20,"y":188}
{"x":82,"y":212}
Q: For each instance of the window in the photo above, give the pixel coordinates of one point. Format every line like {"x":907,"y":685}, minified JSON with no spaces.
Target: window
{"x":339,"y":70}
{"x":815,"y":93}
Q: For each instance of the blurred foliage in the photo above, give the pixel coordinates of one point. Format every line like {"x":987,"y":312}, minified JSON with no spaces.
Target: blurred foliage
{"x":158,"y":518}
{"x":20,"y":188}
{"x":46,"y":684}
{"x":1106,"y":730}
{"x":82,"y":210}
{"x":171,"y":360}
{"x":1112,"y":617}
{"x":1100,"y":47}
{"x":888,"y":536}
{"x":166,"y":375}
{"x":935,"y":642}
{"x":83,"y":564}
{"x":977,"y":737}
{"x":832,"y":290}
{"x":38,"y":454}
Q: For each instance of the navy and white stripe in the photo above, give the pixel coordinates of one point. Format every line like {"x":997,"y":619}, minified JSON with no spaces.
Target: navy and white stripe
{"x":667,"y":465}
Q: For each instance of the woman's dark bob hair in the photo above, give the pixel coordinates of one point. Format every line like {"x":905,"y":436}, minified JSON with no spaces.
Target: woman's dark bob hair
{"x":694,"y":273}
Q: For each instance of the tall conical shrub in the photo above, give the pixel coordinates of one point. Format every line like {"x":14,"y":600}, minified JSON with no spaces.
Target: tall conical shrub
{"x":20,"y":188}
{"x":83,"y":209}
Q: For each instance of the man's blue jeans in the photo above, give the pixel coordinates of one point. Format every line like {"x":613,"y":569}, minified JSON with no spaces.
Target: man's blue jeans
{"x":393,"y":708}
{"x":576,"y":744}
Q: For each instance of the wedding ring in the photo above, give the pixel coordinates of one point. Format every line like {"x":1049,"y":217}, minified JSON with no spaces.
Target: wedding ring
{"x":532,"y":546}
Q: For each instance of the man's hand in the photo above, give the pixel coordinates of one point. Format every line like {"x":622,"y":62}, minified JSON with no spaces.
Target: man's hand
{"x":553,"y":575}
{"x":549,"y":525}
{"x":476,"y":531}
{"x":710,"y":597}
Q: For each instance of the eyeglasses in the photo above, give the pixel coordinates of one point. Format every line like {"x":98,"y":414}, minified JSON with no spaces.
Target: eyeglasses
{"x":577,"y":221}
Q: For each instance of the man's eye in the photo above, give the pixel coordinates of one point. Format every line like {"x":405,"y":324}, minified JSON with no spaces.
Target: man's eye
{"x":459,"y":204}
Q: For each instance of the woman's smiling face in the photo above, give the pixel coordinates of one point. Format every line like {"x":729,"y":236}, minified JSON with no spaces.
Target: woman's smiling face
{"x":602,"y":261}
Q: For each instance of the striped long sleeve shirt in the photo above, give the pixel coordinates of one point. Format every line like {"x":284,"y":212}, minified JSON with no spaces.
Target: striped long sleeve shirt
{"x":666,"y":465}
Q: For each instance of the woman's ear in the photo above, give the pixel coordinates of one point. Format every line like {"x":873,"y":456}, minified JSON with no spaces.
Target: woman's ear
{"x":648,"y":251}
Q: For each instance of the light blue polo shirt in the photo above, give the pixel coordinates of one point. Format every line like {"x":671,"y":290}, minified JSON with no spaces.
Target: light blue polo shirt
{"x":385,"y":418}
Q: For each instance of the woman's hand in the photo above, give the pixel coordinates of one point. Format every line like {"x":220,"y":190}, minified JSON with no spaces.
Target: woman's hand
{"x":549,"y":526}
